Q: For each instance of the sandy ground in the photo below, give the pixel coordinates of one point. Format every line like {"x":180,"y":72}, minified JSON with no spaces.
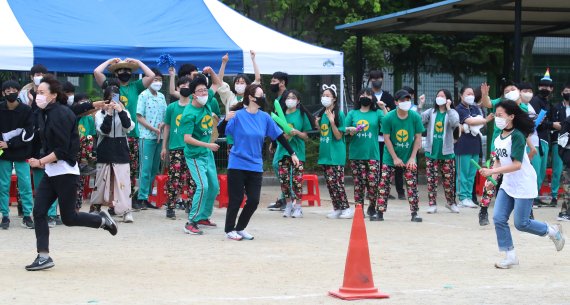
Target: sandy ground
{"x":447,"y":259}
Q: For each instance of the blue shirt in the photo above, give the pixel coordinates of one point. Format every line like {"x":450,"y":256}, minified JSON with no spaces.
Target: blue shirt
{"x":249,"y":131}
{"x":468,"y":144}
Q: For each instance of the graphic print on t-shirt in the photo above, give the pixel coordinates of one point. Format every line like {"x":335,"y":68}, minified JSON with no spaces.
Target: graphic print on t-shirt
{"x":324,"y":130}
{"x":439,"y":126}
{"x":178,"y":117}
{"x":365,"y":123}
{"x":401,"y":136}
{"x":206,"y":122}
{"x":124,"y":100}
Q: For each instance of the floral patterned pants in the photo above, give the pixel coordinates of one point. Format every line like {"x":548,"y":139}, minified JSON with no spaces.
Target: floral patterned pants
{"x":291,"y":178}
{"x":411,"y":181}
{"x":366,"y":174}
{"x":447,"y":169}
{"x":134,"y":157}
{"x":334,"y":175}
{"x":179,"y":178}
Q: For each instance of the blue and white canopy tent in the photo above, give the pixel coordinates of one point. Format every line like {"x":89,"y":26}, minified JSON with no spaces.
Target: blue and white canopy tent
{"x":76,"y":36}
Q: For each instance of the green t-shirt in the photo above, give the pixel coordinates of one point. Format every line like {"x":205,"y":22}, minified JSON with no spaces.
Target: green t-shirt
{"x":173,"y":117}
{"x":437,"y":141}
{"x":364,"y":144}
{"x":199,"y":123}
{"x":86,"y":126}
{"x":331,"y":150}
{"x":299,"y":121}
{"x":497,"y":131}
{"x":402,"y":133}
{"x":130,"y":97}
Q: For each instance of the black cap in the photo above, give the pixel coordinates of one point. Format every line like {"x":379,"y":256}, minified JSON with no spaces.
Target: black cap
{"x":402,"y":94}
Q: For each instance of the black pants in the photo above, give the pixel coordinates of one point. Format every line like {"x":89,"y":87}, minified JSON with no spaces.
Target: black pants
{"x":63,"y":188}
{"x":238,"y":182}
{"x":398,"y":174}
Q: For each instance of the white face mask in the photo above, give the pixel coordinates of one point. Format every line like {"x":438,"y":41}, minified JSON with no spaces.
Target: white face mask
{"x":37,"y":80}
{"x":70,"y":100}
{"x":405,"y":106}
{"x":513,"y":95}
{"x":291,"y":103}
{"x":501,"y":123}
{"x":526,"y":96}
{"x":440,"y":101}
{"x":469,"y":99}
{"x":41,"y":101}
{"x":326,"y":101}
{"x":240,"y":88}
{"x":156,"y":86}
{"x":202,"y":100}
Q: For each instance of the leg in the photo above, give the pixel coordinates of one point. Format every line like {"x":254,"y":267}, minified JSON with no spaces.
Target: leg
{"x":504,"y":205}
{"x":543,"y":161}
{"x":448,"y":172}
{"x":384,"y":187}
{"x":399,"y":180}
{"x":38,"y":174}
{"x":121,"y":189}
{"x":253,"y":190}
{"x":134,"y":158}
{"x":372,"y":180}
{"x":432,"y":172}
{"x":146,"y":152}
{"x":328,"y":171}
{"x":411,"y":179}
{"x":236,"y":182}
{"x":359,"y":178}
{"x":557,"y":167}
{"x":5,"y":180}
{"x":45,"y":195}
{"x":466,"y":172}
{"x":213,"y":188}
{"x":174,"y":183}
{"x":340,"y":190}
{"x":523,"y":222}
{"x":24,"y":186}
{"x":64,"y":187}
{"x":198,"y":170}
{"x":285,"y":178}
{"x":298,"y":180}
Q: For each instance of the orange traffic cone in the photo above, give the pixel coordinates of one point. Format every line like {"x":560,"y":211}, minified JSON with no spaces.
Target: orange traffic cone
{"x":358,"y":282}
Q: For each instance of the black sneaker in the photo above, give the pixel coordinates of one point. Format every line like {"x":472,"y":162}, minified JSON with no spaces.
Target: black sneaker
{"x":391,"y":197}
{"x":277,"y":206}
{"x":553,"y":203}
{"x":136,"y":205}
{"x":563,"y":216}
{"x":378,"y":216}
{"x":415,"y":217}
{"x":483,"y":217}
{"x":110,"y":224}
{"x":170,"y":214}
{"x":536,"y":203}
{"x":371,"y":210}
{"x":5,"y":223}
{"x":147,"y":205}
{"x":27,"y":222}
{"x":58,"y":220}
{"x":86,"y":170}
{"x":40,"y":264}
{"x":531,"y":216}
{"x":111,"y":211}
{"x":402,"y":197}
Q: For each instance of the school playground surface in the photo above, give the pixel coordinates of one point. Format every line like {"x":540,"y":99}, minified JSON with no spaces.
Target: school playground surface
{"x":447,"y":259}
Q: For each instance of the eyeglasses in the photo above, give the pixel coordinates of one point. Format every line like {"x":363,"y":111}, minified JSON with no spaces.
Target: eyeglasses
{"x":201,"y":91}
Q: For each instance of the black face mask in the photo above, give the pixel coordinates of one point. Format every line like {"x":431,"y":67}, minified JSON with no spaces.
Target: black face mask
{"x":544,"y":93}
{"x":260,"y":101}
{"x":377,"y":84}
{"x":274,"y":88}
{"x":12,"y":97}
{"x":185,"y":92}
{"x":124,"y":77}
{"x":365,"y":101}
{"x":566,"y":96}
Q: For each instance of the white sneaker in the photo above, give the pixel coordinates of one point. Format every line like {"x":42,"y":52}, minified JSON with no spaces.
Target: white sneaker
{"x":288,"y":210}
{"x":334,"y":214}
{"x":432,"y":209}
{"x":452,"y":207}
{"x":244,"y":235}
{"x":347,"y":213}
{"x":468,"y":203}
{"x":507,"y":263}
{"x":128,"y":217}
{"x":233,"y":235}
{"x":558,"y":236}
{"x":297,"y":212}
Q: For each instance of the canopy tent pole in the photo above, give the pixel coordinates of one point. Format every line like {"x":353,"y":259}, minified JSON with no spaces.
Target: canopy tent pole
{"x":359,"y":73}
{"x":341,"y":96}
{"x":517,"y":41}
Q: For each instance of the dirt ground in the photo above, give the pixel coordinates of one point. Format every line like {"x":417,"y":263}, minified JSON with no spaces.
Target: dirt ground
{"x":447,"y":259}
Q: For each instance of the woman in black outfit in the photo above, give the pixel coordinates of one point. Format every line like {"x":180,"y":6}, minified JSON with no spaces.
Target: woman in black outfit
{"x":60,"y":143}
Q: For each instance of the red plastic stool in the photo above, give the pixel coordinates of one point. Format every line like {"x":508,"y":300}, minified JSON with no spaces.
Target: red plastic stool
{"x":13,"y":190}
{"x":223,"y":197}
{"x":160,"y":198}
{"x":545,"y":188}
{"x":313,"y":193}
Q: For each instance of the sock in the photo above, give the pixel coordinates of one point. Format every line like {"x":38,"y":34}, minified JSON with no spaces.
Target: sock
{"x":44,"y":254}
{"x":551,"y":231}
{"x":484,"y":209}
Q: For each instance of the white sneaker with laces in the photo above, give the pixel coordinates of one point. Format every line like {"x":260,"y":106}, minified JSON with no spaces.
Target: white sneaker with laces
{"x":288,"y":209}
{"x":558,"y":236}
{"x":297,"y":212}
{"x":452,"y":207}
{"x":334,"y":214}
{"x":507,"y":263}
{"x":432,"y":209}
{"x":468,"y":203}
{"x":347,"y":213}
{"x":128,"y":217}
{"x":244,"y":235}
{"x":233,"y":235}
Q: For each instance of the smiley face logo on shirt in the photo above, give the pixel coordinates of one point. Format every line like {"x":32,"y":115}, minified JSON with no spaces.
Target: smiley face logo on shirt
{"x":124,"y":100}
{"x":365,"y":123}
{"x":439,"y":126}
{"x":178,"y":118}
{"x":207,"y":122}
{"x":402,"y":135}
{"x":324,"y":130}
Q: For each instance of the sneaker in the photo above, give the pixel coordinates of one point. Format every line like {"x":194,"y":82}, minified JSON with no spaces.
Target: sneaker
{"x":378,"y":216}
{"x":536,"y":203}
{"x":468,"y":203}
{"x":416,"y":218}
{"x":297,"y":212}
{"x":147,"y":205}
{"x":371,"y":210}
{"x":128,"y":217}
{"x":563,"y":216}
{"x":432,"y":209}
{"x":402,"y":197}
{"x":136,"y":205}
{"x":507,"y":263}
{"x":483,"y":217}
{"x":334,"y":214}
{"x":5,"y":223}
{"x":391,"y":197}
{"x":111,"y":211}
{"x":558,"y":237}
{"x":452,"y":207}
{"x":51,"y":222}
{"x":170,"y":214}
{"x":207,"y":223}
{"x":192,"y":228}
{"x":40,"y":264}
{"x":277,"y":206}
{"x":27,"y":222}
{"x":244,"y":235}
{"x":233,"y":235}
{"x":288,"y":210}
{"x":110,"y":224}
{"x":58,"y":220}
{"x":553,"y":202}
{"x":347,"y":213}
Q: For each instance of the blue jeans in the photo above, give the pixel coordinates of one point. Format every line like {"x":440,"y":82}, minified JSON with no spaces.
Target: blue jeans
{"x":504,"y":205}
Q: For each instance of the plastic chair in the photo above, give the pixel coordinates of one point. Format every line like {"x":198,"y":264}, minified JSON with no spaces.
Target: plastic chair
{"x":160,"y":198}
{"x":313,"y":193}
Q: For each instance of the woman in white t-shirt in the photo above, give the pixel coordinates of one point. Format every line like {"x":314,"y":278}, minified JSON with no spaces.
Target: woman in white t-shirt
{"x":518,"y":188}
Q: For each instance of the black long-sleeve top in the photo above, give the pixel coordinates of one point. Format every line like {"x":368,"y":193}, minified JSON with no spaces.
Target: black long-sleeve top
{"x":58,"y":132}
{"x":17,"y":130}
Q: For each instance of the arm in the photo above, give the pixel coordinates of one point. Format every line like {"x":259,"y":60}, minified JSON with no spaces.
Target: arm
{"x":531,"y":147}
{"x":475,"y":121}
{"x":126,"y":121}
{"x":172,"y":83}
{"x":426,"y":115}
{"x":216,"y":81}
{"x":388,"y":145}
{"x":166,"y":138}
{"x":453,"y":118}
{"x":146,"y":125}
{"x":27,"y":133}
{"x":188,"y":139}
{"x":99,"y":71}
{"x":485,"y":99}
{"x":337,"y":133}
{"x":416,"y":147}
{"x":222,"y":70}
{"x":255,"y":68}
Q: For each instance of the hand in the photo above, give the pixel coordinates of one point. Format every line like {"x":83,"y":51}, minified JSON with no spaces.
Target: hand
{"x":157,"y":131}
{"x":486,"y":172}
{"x":271,"y":148}
{"x":398,"y":162}
{"x":98,"y":105}
{"x":33,"y":162}
{"x":294,"y":132}
{"x":422,"y":100}
{"x":317,"y":119}
{"x":115,"y":60}
{"x":215,"y":117}
{"x":411,"y":164}
{"x":117,"y":107}
{"x":485,"y":89}
{"x":213,"y":146}
{"x":532,"y":152}
{"x":163,"y":153}
{"x":252,"y":53}
{"x":3,"y":145}
{"x":230,"y":115}
{"x":295,"y":160}
{"x":489,"y":185}
{"x":351,"y":130}
{"x":132,"y":60}
{"x":207,"y":70}
{"x":381,"y":105}
{"x":330,"y":116}
{"x":172,"y":71}
{"x":161,"y":126}
{"x":556,"y":125}
{"x":225,"y":58}
{"x":490,"y":117}
{"x":448,"y":104}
